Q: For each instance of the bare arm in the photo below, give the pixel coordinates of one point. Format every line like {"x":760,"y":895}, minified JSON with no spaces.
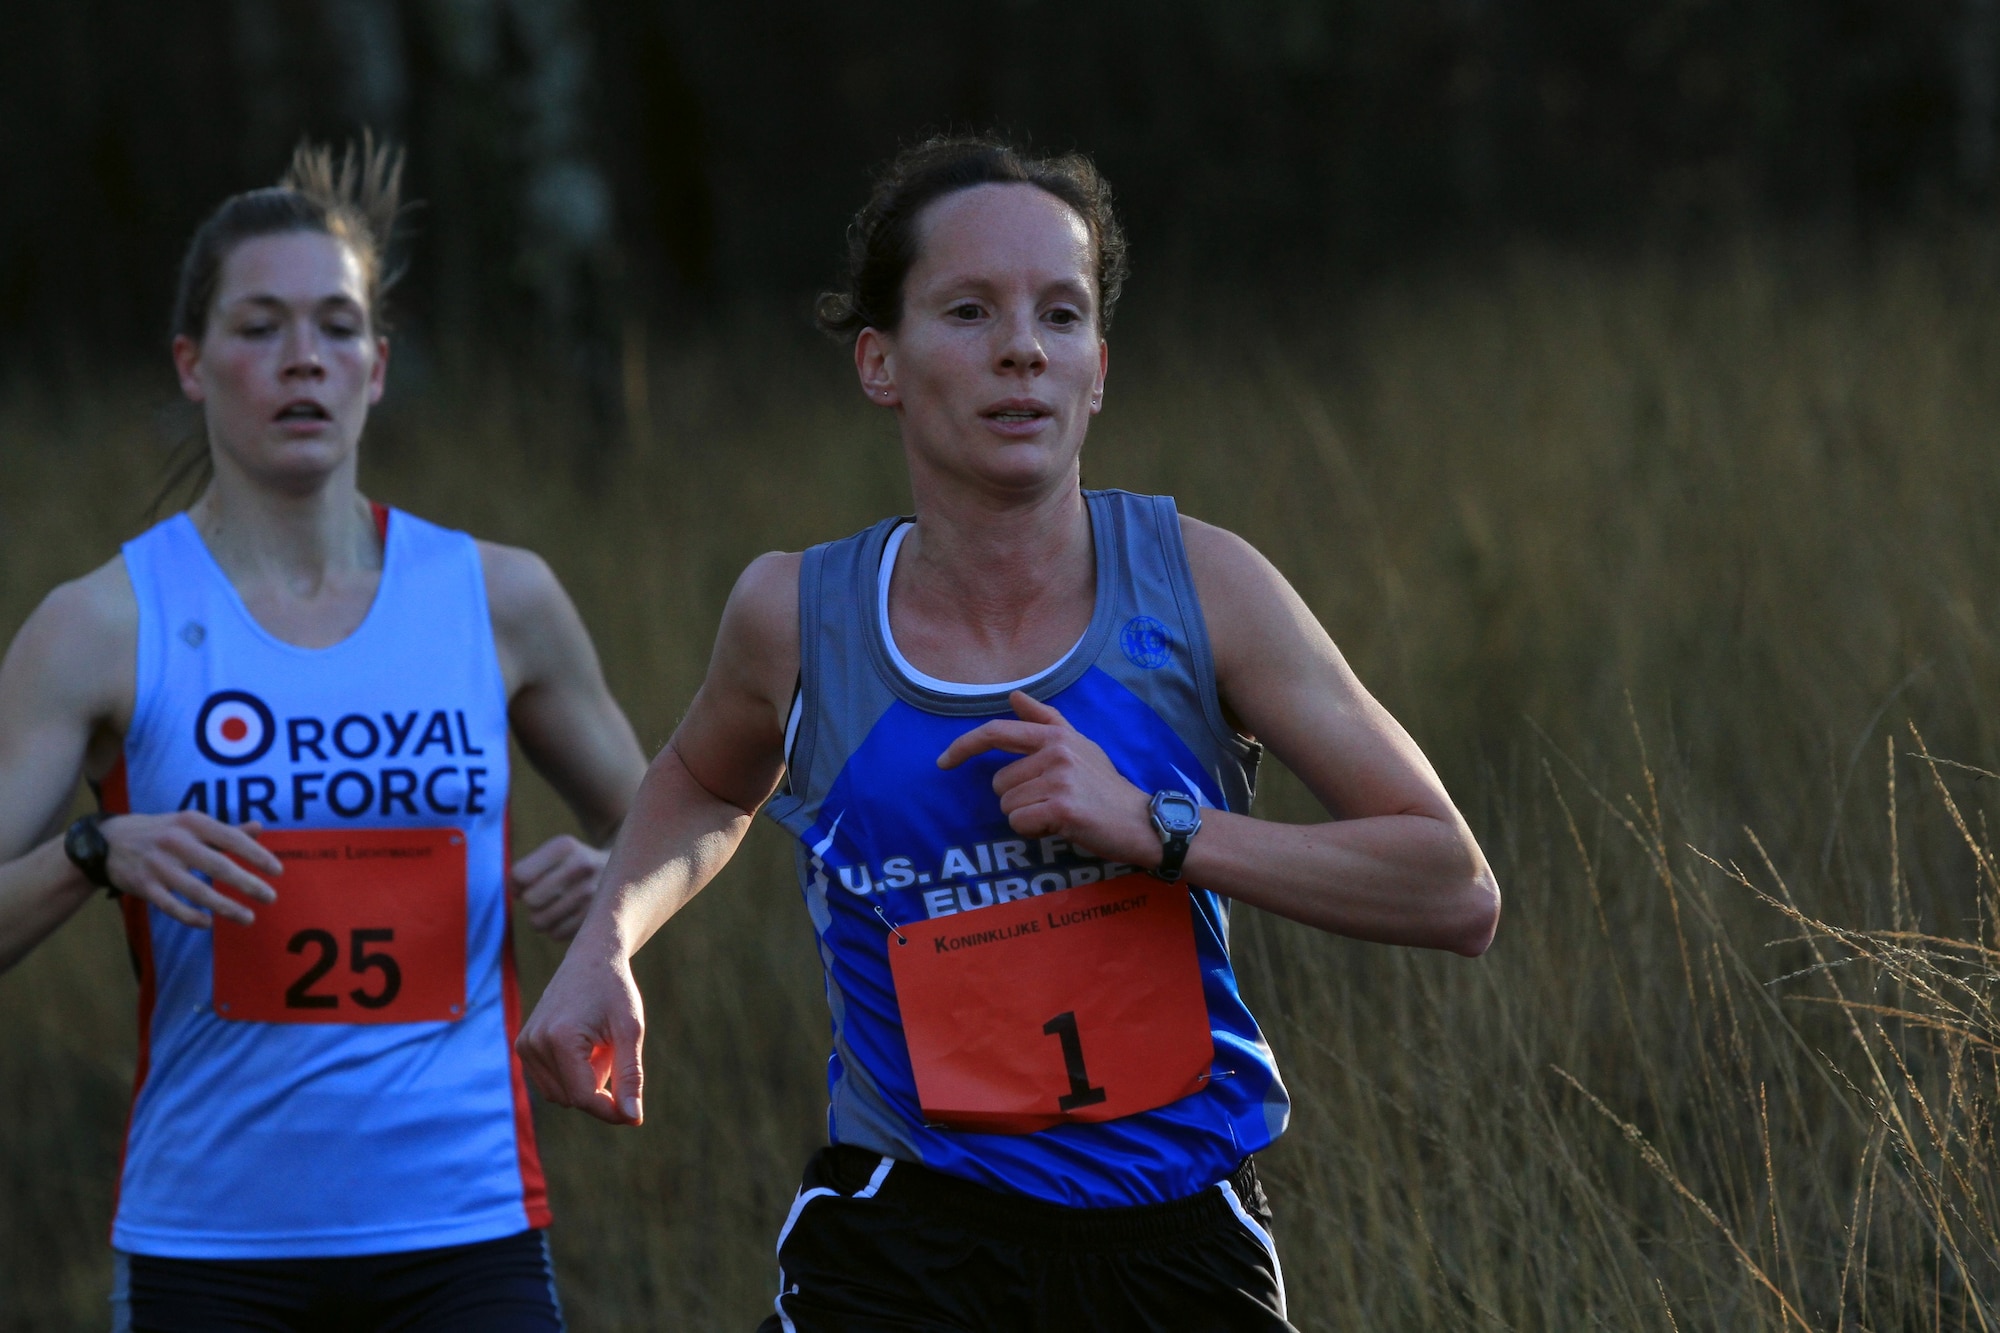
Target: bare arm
{"x":1396,"y":864}
{"x":582,"y":1044}
{"x":66,"y":691}
{"x":568,"y":725}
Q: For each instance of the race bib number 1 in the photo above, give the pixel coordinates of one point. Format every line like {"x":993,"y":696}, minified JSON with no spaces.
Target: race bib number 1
{"x":369,"y":927}
{"x":1079,"y":1005}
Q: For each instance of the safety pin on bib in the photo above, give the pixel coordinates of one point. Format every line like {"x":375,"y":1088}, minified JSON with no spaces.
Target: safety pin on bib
{"x":901,"y":938}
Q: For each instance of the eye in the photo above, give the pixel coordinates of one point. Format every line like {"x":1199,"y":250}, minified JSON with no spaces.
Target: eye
{"x":1063,"y":317}
{"x":257,"y":328}
{"x":966,"y":310}
{"x":341,"y":328}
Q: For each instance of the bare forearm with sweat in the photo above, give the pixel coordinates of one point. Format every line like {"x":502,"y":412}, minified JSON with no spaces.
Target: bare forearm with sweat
{"x":1393,"y":879}
{"x":38,"y":892}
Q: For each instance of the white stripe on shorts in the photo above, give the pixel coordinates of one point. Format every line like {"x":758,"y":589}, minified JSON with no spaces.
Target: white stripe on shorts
{"x":791,"y":1219}
{"x":1263,"y":1238}
{"x":121,"y":1292}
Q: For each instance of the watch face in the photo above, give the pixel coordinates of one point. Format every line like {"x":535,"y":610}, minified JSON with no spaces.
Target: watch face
{"x":83,"y":841}
{"x":86,"y":848}
{"x":1177,"y":813}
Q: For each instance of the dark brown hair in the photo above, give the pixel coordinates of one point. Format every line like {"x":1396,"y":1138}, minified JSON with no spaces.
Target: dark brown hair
{"x":354,"y":198}
{"x":882,"y":239}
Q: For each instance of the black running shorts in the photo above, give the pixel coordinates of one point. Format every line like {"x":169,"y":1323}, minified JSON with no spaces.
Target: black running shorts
{"x":876,"y":1244}
{"x":494,"y":1286}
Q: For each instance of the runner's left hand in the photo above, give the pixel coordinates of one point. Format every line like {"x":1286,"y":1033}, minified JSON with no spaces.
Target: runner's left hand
{"x":555,"y":882}
{"x":1064,"y":785}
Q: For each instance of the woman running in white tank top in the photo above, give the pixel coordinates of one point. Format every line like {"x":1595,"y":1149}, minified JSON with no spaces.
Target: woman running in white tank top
{"x":294,"y":706}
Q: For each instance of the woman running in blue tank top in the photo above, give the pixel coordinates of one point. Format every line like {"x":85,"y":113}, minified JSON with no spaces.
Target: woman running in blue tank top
{"x":1015,"y":739}
{"x":295,"y":708}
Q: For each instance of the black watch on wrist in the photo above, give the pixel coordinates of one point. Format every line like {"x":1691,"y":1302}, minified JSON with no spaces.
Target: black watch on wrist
{"x":87,"y":850}
{"x":1176,"y":818}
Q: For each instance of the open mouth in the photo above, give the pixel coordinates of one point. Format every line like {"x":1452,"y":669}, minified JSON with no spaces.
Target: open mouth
{"x":304,"y":410}
{"x":1016,"y":414}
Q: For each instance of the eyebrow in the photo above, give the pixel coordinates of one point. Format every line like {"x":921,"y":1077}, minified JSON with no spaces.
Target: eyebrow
{"x":967,"y":281}
{"x":270,"y":301}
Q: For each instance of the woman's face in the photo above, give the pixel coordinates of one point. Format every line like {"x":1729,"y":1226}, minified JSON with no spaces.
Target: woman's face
{"x":289,"y":364}
{"x":997,"y":365}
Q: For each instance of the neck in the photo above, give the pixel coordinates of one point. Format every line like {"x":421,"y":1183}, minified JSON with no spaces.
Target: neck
{"x":995,"y":562}
{"x":297,"y":539}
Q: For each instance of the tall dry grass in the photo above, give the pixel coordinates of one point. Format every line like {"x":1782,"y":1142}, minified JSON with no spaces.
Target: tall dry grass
{"x":1683,"y":571}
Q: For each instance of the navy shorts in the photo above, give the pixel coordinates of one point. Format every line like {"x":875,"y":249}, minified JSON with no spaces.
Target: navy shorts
{"x":876,"y":1244}
{"x":490,"y":1286}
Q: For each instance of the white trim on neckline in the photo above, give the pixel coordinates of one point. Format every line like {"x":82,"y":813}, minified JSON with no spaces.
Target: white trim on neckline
{"x":882,"y":577}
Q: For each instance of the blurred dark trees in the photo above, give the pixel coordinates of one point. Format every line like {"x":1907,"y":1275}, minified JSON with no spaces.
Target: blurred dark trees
{"x":594,"y":168}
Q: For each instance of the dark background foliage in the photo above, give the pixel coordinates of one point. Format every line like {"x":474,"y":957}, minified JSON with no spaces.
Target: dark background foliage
{"x":594,"y":167}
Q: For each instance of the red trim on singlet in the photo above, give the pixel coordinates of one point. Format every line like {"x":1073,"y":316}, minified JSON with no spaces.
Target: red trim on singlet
{"x":381,"y":513}
{"x":534,"y":1185}
{"x":113,"y":798}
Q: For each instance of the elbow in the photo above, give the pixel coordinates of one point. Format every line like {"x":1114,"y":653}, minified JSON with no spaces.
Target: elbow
{"x":1478,"y":916}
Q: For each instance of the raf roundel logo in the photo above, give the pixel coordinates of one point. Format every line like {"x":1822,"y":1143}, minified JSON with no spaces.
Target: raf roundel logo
{"x":1147,"y":643}
{"x":233,"y":728}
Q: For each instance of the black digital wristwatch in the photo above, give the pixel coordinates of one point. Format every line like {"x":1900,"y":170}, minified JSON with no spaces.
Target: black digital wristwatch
{"x":1176,"y":818}
{"x":87,"y":850}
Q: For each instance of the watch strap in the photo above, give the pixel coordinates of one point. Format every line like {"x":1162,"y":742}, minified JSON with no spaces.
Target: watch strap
{"x":1173,"y":841}
{"x":85,"y":845}
{"x":1173,"y":855}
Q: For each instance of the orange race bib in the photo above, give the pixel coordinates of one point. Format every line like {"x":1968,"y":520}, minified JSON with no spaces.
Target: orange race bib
{"x":1079,"y":1005}
{"x":369,"y":927}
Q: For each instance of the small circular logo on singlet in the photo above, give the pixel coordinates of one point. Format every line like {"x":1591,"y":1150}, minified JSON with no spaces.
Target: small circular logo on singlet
{"x":233,"y":728}
{"x":1146,"y":642}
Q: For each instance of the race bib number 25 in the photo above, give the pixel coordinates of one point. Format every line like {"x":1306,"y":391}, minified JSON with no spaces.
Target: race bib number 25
{"x":369,"y":927}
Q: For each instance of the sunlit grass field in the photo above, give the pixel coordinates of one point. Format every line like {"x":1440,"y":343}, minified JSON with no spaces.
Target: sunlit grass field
{"x":1686,"y":573}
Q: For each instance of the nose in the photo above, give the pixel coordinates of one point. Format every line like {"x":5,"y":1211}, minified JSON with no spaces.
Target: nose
{"x":303,"y":359}
{"x":1020,"y":345}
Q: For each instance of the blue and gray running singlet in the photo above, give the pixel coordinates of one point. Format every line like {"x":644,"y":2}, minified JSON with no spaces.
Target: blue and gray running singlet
{"x":885,"y":838}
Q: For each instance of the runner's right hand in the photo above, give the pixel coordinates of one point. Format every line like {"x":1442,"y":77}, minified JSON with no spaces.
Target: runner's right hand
{"x":581,"y":1045}
{"x":161,"y":859}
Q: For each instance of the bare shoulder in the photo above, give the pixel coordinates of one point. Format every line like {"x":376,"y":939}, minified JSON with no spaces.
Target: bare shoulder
{"x":763,"y":609}
{"x":537,"y":632}
{"x":1243,"y":596}
{"x":85,"y":621}
{"x":83,"y":640}
{"x":520,"y":586}
{"x":732,"y":737}
{"x":757,"y":644}
{"x":1273,"y":659}
{"x":1218,"y":553}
